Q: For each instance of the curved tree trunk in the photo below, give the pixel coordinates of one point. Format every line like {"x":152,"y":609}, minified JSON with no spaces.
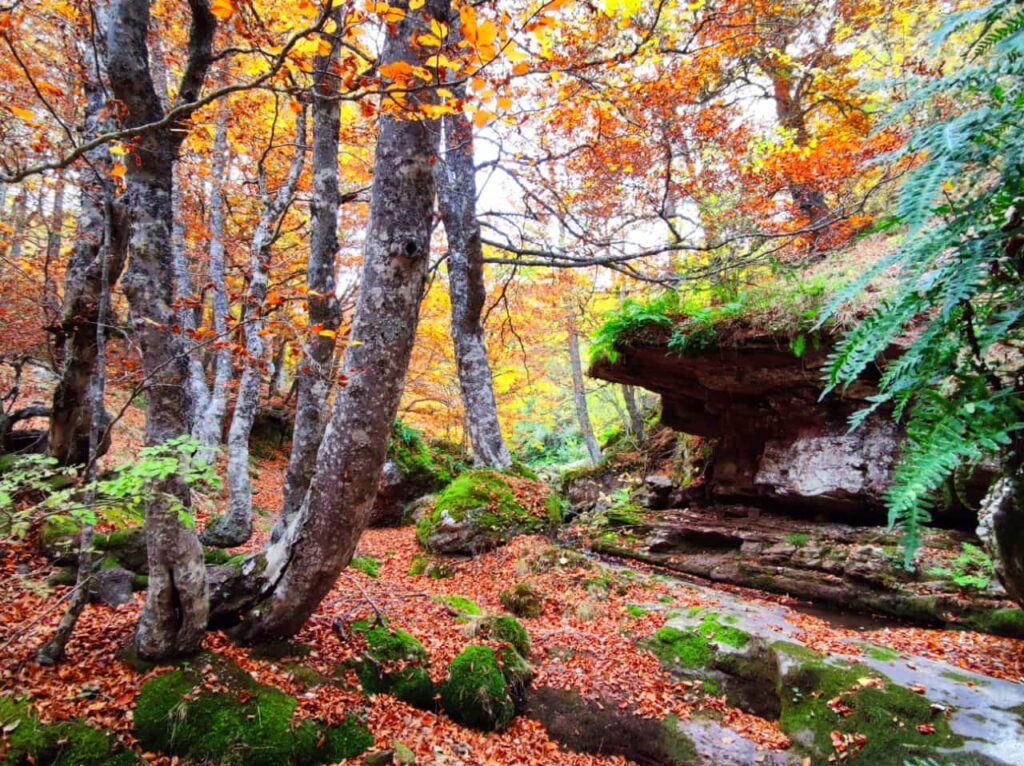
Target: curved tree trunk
{"x":77,"y":335}
{"x":313,"y":379}
{"x":301,"y":567}
{"x":456,"y":193}
{"x":234,"y":527}
{"x":175,"y":615}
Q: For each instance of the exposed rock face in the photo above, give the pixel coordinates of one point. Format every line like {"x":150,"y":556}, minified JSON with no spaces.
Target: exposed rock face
{"x":777,"y":443}
{"x":853,"y":568}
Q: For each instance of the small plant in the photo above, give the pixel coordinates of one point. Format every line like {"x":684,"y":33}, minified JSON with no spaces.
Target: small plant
{"x":972,"y":568}
{"x":368,"y":565}
{"x":799,"y":539}
{"x":118,"y":495}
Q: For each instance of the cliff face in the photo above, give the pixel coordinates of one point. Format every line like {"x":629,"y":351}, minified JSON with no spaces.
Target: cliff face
{"x":777,"y":444}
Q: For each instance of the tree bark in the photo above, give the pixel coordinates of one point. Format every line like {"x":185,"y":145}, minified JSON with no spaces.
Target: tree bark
{"x":579,"y":392}
{"x":636,"y":416}
{"x":175,"y":614}
{"x":78,"y":333}
{"x":235,"y":526}
{"x":313,"y":379}
{"x":302,"y":566}
{"x":456,"y":193}
{"x":208,"y":427}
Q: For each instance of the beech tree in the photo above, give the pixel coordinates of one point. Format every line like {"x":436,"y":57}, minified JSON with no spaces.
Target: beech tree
{"x":456,"y":187}
{"x":301,"y":566}
{"x":174,"y":618}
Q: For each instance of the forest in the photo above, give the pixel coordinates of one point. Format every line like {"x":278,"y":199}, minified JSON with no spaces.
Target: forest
{"x":465,"y":382}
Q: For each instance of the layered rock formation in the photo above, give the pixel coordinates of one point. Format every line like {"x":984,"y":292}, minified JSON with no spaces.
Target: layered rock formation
{"x":778,"y":442}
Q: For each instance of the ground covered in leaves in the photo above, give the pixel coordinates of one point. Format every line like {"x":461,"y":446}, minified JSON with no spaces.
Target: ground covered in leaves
{"x":587,"y":637}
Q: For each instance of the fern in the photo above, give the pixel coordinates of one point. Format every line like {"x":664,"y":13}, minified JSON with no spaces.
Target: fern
{"x":960,"y":285}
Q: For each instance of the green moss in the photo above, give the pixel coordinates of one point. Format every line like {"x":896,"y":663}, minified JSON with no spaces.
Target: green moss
{"x":799,"y":539}
{"x":476,"y":691}
{"x":426,"y":466}
{"x":368,"y":565}
{"x":249,"y":724}
{"x":683,"y":647}
{"x":886,"y":714}
{"x":486,"y":497}
{"x":960,"y":678}
{"x":63,"y":576}
{"x":345,"y":740}
{"x":795,"y":651}
{"x":462,"y":606}
{"x":418,"y":564}
{"x":555,"y":507}
{"x":63,"y":743}
{"x":508,"y":629}
{"x":711,"y":628}
{"x":215,"y":556}
{"x":279,"y":650}
{"x":396,"y":663}
{"x":635,"y":611}
{"x":880,"y":653}
{"x":1003,"y":622}
{"x":678,"y":747}
{"x":522,"y":599}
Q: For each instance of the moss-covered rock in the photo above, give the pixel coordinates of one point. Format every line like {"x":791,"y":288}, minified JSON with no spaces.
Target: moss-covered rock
{"x":59,"y":538}
{"x":63,"y":743}
{"x":683,"y":648}
{"x":522,"y":599}
{"x":248,"y":723}
{"x":877,"y":719}
{"x":481,"y":509}
{"x":477,"y":692}
{"x":508,"y":629}
{"x":395,"y":663}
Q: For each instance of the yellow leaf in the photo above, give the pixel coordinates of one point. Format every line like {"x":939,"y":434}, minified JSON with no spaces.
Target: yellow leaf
{"x":483,"y":117}
{"x":396,"y":70}
{"x":25,"y":114}
{"x":222,"y":9}
{"x":328,"y":334}
{"x":429,"y":40}
{"x":504,"y":102}
{"x":415,"y":5}
{"x":118,"y":171}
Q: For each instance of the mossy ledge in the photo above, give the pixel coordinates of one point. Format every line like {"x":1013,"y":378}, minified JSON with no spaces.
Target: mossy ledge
{"x":246,"y":723}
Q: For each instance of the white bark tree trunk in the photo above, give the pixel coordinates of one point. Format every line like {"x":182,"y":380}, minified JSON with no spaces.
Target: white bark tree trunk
{"x":235,"y":526}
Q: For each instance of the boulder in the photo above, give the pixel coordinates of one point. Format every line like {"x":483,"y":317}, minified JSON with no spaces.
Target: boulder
{"x":482,"y":509}
{"x":113,"y":586}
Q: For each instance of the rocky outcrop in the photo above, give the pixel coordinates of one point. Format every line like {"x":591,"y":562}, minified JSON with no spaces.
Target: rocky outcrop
{"x":777,"y":443}
{"x":854,"y":568}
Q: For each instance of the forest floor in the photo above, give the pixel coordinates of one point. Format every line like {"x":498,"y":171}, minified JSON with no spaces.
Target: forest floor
{"x":586,"y":609}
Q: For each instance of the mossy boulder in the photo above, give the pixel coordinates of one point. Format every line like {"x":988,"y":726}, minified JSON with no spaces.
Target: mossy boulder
{"x":509,"y":630}
{"x":460,"y":606}
{"x":59,"y":539}
{"x":63,"y":743}
{"x":522,"y":599}
{"x":482,"y":509}
{"x":483,"y":687}
{"x":396,"y":663}
{"x":244,"y":722}
{"x":414,"y":467}
{"x":879,"y":722}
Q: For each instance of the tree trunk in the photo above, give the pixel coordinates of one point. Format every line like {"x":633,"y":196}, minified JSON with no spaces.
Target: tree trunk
{"x":235,"y":527}
{"x":579,"y":392}
{"x":456,"y":193}
{"x":636,"y":416}
{"x":313,"y":379}
{"x":175,"y":615}
{"x":77,"y":335}
{"x":209,"y":422}
{"x":302,"y":566}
